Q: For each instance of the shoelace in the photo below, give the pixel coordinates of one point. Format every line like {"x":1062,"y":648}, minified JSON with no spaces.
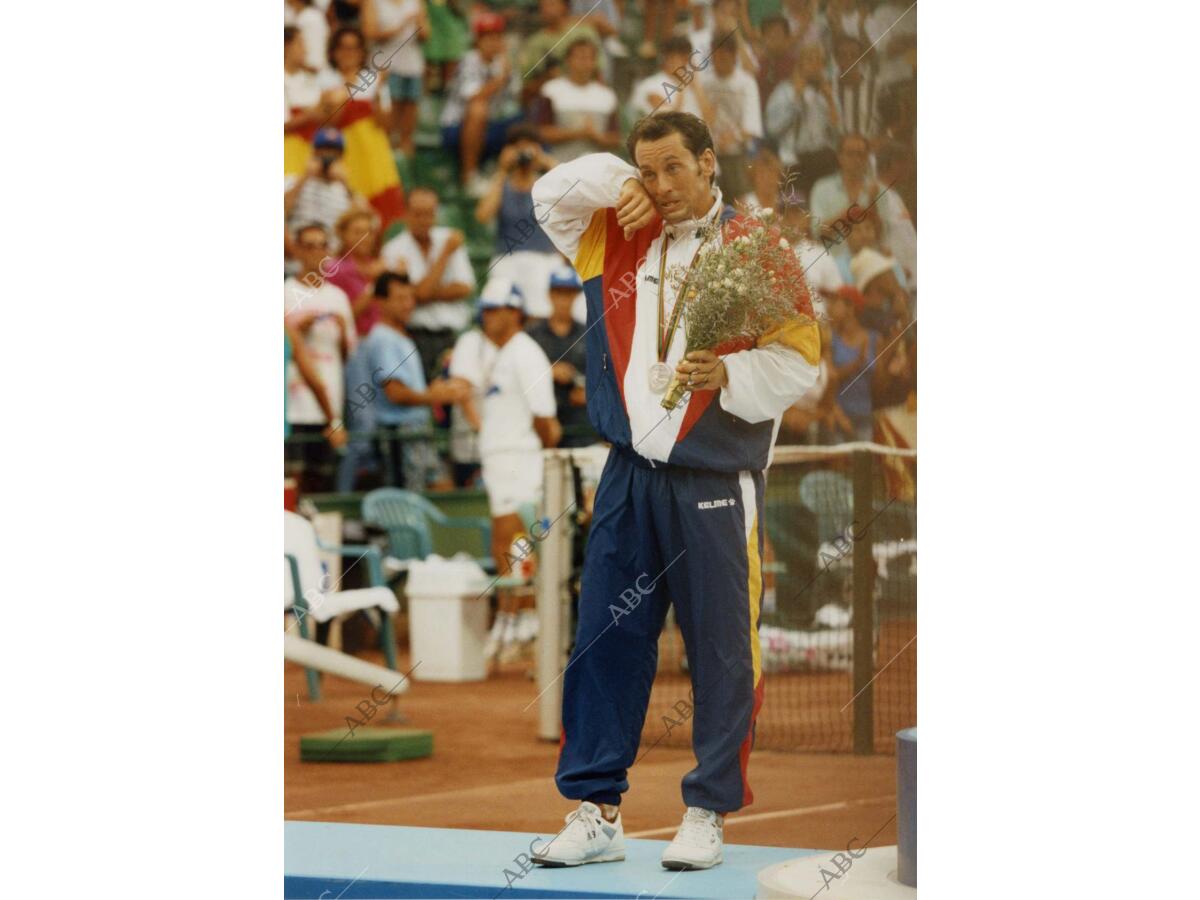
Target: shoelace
{"x":697,"y":827}
{"x":586,"y":820}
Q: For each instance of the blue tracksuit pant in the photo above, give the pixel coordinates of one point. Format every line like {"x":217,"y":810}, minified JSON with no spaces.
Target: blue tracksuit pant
{"x":662,"y":535}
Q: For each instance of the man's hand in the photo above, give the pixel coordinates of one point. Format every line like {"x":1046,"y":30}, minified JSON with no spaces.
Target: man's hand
{"x":635,"y":209}
{"x":453,"y":390}
{"x":703,"y":370}
{"x":337,"y":437}
{"x":564,"y":372}
{"x":453,"y":241}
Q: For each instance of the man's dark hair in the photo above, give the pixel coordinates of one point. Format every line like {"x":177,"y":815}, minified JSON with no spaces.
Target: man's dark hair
{"x":775,"y":19}
{"x":676,"y":45}
{"x":289,"y":34}
{"x":696,"y":136}
{"x":383,"y":284}
{"x":335,"y":39}
{"x":727,"y":40}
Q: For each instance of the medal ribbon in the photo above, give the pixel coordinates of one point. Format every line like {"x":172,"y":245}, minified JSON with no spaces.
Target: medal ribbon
{"x":665,"y":337}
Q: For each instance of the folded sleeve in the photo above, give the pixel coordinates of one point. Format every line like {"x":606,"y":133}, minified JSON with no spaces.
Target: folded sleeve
{"x":565,"y":198}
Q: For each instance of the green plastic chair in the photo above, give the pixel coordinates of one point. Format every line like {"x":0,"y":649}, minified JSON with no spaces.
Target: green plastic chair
{"x":406,"y":517}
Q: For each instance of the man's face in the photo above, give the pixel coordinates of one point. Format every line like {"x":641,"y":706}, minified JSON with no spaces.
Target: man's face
{"x":677,"y":182}
{"x":581,"y":63}
{"x":422,"y":212}
{"x":401,"y":301}
{"x":491,"y":45}
{"x":312,"y":247}
{"x":853,"y":157}
{"x":552,"y":11}
{"x":776,"y":38}
{"x":724,"y":58}
{"x":725,"y":15}
{"x":501,"y":321}
{"x":562,"y":299}
{"x":675,"y":62}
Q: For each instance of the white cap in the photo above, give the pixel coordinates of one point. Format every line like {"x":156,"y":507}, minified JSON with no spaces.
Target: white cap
{"x":501,"y":293}
{"x":869,"y":264}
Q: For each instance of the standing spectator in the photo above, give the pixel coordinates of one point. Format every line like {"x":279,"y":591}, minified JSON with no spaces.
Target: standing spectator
{"x":659,"y":23}
{"x":664,"y":91}
{"x":311,"y":23}
{"x":358,"y":265}
{"x":323,"y":193}
{"x":891,"y":33}
{"x":401,"y":396}
{"x":436,"y":260}
{"x":895,"y":170}
{"x":449,"y":39}
{"x":352,"y":89}
{"x":523,"y":252}
{"x":819,"y":267}
{"x":561,"y":339}
{"x":294,"y":351}
{"x":396,"y":29}
{"x":302,"y":110}
{"x":853,"y":349}
{"x":727,"y":18}
{"x":517,"y":422}
{"x":855,"y":88}
{"x":577,"y":114}
{"x":736,"y":115}
{"x":472,"y":356}
{"x":545,"y":46}
{"x":319,"y":314}
{"x":802,"y":117}
{"x":833,"y":195}
{"x":482,"y":102}
{"x":778,"y":57}
{"x":803,"y":24}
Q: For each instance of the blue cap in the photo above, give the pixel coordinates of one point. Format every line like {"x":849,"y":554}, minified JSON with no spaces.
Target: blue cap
{"x":501,"y":293}
{"x":565,"y":277}
{"x":328,"y":137}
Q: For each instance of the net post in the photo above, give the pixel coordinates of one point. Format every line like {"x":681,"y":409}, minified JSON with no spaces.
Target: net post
{"x":554,"y":567}
{"x":864,"y":608}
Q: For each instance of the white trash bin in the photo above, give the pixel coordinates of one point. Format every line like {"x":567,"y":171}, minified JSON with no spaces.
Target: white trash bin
{"x":447,"y":619}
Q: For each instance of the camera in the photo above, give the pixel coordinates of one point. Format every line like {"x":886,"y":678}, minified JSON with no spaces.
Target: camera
{"x":525,"y":159}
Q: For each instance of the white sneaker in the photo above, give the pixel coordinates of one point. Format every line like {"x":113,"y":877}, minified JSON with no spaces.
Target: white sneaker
{"x":527,"y":626}
{"x":495,"y":637}
{"x":698,"y":841}
{"x":587,"y":838}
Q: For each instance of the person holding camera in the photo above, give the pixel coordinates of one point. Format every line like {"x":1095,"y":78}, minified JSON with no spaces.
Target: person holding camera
{"x":321,"y":194}
{"x":524,"y":253}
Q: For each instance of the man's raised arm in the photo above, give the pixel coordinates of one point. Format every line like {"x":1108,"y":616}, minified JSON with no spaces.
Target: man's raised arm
{"x":565,"y":198}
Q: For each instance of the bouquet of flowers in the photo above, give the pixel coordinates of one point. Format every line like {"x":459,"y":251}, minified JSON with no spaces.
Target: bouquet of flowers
{"x":744,"y":288}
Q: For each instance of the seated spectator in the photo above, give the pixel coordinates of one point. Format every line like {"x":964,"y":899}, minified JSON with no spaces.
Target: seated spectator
{"x":855,"y":88}
{"x":322,"y":193}
{"x":891,"y":32}
{"x":863,"y":234}
{"x":778,"y":56}
{"x":546,"y":45}
{"x":561,"y":339}
{"x":820,"y":270}
{"x":358,"y":265}
{"x":318,"y":315}
{"x":482,"y":102}
{"x":853,"y":351}
{"x":436,"y":260}
{"x":389,"y":361}
{"x":664,"y":91}
{"x":657,"y":26}
{"x":352,"y":88}
{"x":852,"y":185}
{"x":734,"y":115}
{"x":885,"y":303}
{"x":523,"y":252}
{"x":577,"y":114}
{"x":396,"y":30}
{"x":302,"y":109}
{"x":894,"y":162}
{"x":803,"y":23}
{"x":802,"y":117}
{"x":845,"y":18}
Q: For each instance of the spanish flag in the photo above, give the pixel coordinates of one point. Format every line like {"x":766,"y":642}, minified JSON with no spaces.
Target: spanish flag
{"x":368,"y":159}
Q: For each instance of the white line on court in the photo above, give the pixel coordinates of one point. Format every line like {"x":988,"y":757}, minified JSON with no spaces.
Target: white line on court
{"x":776,"y":814}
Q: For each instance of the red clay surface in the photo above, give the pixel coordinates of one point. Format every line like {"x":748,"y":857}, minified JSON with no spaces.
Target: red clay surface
{"x":489,"y":771}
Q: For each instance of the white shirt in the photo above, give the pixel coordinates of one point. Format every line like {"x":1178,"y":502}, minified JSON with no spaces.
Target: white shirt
{"x":821,"y":271}
{"x":324,"y":344}
{"x":315,"y":30}
{"x":672,"y":98}
{"x":408,"y":60}
{"x":735,"y":104}
{"x":438,"y":315}
{"x":576,"y":104}
{"x":300,"y":91}
{"x":517,"y":388}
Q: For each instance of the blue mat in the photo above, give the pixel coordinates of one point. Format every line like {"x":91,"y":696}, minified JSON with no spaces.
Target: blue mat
{"x":327,"y":860}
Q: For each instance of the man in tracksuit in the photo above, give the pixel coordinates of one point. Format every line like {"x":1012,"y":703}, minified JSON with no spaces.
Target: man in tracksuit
{"x":679,"y":507}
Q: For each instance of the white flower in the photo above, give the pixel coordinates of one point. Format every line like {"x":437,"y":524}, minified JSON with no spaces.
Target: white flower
{"x":768,"y":212}
{"x":741,"y":289}
{"x":783,"y":244}
{"x":727,"y":283}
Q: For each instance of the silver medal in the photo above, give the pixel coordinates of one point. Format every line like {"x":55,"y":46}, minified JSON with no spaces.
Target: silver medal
{"x":660,"y":377}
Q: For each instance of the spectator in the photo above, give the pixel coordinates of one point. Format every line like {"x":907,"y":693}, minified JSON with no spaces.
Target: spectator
{"x":294,"y":350}
{"x":727,"y":18}
{"x":778,"y":57}
{"x":523,"y":252}
{"x":545,"y":47}
{"x":853,"y":350}
{"x":302,"y":110}
{"x":396,"y":29}
{"x":734,"y":116}
{"x":561,"y":339}
{"x":802,"y":116}
{"x":352,"y":88}
{"x":449,"y":40}
{"x":855,"y":88}
{"x":311,"y":23}
{"x":391,"y":361}
{"x":845,"y":18}
{"x":865,"y":234}
{"x":895,"y":170}
{"x":472,"y":356}
{"x":436,"y":261}
{"x":664,"y":91}
{"x":820,"y":270}
{"x":517,"y":421}
{"x":323,"y":193}
{"x":318,"y":313}
{"x":482,"y":102}
{"x":659,"y":23}
{"x":577,"y":114}
{"x":891,"y":33}
{"x":833,"y":195}
{"x":886,"y":306}
{"x":803,"y":24}
{"x":358,"y":265}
